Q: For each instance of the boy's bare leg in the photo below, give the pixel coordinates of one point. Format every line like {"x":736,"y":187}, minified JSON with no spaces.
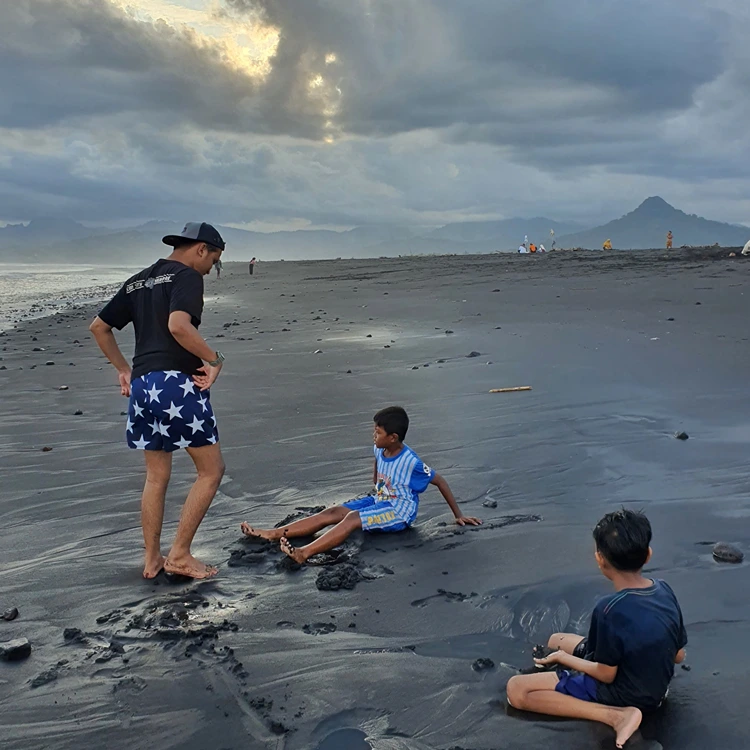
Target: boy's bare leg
{"x":537,"y":693}
{"x":210,"y":466}
{"x":158,"y":471}
{"x":332,"y":538}
{"x":566,"y":642}
{"x":304,"y":527}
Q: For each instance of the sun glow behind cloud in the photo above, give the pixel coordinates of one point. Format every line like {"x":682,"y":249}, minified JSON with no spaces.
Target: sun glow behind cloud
{"x":245,"y":45}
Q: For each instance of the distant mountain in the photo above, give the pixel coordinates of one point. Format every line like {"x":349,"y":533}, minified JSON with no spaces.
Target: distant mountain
{"x":53,"y":241}
{"x":647,"y":227}
{"x":506,"y":234}
{"x":44,"y":232}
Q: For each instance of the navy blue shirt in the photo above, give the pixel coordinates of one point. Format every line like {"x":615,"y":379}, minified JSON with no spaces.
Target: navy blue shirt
{"x":146,"y":300}
{"x":639,"y":631}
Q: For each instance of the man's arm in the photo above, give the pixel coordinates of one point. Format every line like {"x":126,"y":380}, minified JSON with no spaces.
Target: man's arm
{"x":681,"y":654}
{"x":445,"y":491}
{"x":186,"y":335}
{"x":600,"y":672}
{"x":375,"y":473}
{"x":103,"y":335}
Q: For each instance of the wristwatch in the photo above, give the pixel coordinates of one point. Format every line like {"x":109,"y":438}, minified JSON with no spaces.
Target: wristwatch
{"x":219,"y":359}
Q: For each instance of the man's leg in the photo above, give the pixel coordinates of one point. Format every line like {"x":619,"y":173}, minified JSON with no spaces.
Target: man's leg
{"x":158,"y":471}
{"x":304,"y":527}
{"x":536,"y":693}
{"x":210,"y":466}
{"x":332,"y":538}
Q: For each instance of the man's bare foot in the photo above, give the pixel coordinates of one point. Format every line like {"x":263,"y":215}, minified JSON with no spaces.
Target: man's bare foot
{"x":189,"y":566}
{"x":294,"y":552}
{"x":153,"y":566}
{"x":271,"y":535}
{"x":626,"y":726}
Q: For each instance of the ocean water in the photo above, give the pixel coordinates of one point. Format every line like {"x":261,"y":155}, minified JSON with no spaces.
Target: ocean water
{"x":32,"y":290}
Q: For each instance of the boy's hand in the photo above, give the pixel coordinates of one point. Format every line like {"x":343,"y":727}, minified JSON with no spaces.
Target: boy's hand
{"x":554,"y":658}
{"x":468,"y":521}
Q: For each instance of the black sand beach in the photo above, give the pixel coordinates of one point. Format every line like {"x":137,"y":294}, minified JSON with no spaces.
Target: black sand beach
{"x":621,"y":350}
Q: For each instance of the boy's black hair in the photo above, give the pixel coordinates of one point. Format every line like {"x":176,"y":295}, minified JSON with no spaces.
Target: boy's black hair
{"x":394,"y":420}
{"x":623,"y":539}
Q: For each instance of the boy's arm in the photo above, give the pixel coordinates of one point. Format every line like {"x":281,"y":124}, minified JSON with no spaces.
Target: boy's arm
{"x":375,"y":473}
{"x":600,"y":672}
{"x":445,"y":491}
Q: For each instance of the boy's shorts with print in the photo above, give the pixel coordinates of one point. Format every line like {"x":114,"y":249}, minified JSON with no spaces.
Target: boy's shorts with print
{"x":377,"y":516}
{"x":167,"y":412}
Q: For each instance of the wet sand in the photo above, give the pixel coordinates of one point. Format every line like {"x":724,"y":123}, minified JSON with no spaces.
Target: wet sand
{"x":620,"y":355}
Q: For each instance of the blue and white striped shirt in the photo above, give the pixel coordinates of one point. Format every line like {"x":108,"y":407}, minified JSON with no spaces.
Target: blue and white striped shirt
{"x":401,"y":480}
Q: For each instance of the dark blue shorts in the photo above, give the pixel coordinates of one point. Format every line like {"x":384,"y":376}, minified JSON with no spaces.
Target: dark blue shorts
{"x":577,"y":685}
{"x":167,"y":412}
{"x":377,"y":516}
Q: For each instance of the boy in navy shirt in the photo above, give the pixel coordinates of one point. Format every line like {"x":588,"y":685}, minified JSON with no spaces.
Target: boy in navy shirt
{"x":400,"y":477}
{"x":636,"y":637}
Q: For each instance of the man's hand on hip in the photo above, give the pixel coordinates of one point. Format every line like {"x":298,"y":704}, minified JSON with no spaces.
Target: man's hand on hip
{"x":206,"y":376}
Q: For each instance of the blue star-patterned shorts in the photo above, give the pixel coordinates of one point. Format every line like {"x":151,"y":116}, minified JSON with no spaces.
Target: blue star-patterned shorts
{"x":167,"y":412}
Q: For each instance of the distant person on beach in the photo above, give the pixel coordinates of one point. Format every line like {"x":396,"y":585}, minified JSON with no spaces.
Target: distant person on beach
{"x":218,"y":266}
{"x":636,"y":637}
{"x":532,"y":248}
{"x":746,"y":249}
{"x":173,"y":369}
{"x":541,"y":249}
{"x":399,"y":477}
{"x":253,"y":261}
{"x":522,"y":249}
{"x":607,"y":245}
{"x":669,"y":240}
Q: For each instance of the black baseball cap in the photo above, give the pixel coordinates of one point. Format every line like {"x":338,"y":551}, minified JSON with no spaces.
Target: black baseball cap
{"x":198,"y":232}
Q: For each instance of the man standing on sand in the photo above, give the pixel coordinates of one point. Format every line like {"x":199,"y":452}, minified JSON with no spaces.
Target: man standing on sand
{"x":173,"y":369}
{"x":669,"y":240}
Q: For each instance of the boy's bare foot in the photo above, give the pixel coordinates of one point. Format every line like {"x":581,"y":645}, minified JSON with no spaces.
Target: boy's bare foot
{"x":627,"y":725}
{"x":271,"y":535}
{"x":296,"y":554}
{"x":189,"y":566}
{"x":153,"y":566}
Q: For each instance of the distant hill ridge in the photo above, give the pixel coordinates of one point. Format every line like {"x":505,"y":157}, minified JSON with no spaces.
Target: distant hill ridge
{"x":647,"y":227}
{"x":65,"y":240}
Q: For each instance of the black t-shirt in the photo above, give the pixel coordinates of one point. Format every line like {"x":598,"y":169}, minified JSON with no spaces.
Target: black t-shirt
{"x":639,"y":631}
{"x":146,"y":300}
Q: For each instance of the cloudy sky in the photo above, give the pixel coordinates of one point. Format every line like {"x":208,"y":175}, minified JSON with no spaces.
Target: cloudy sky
{"x":304,"y":113}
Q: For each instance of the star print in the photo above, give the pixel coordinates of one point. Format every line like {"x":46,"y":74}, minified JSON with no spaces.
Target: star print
{"x":182,"y":443}
{"x":137,"y":409}
{"x":170,"y":374}
{"x":196,"y":424}
{"x":130,"y":426}
{"x":155,"y":427}
{"x":174,"y":411}
{"x":187,"y":387}
{"x":213,"y":416}
{"x":154,"y":394}
{"x":141,"y":444}
{"x":202,"y":402}
{"x":212,"y":439}
{"x":164,"y":429}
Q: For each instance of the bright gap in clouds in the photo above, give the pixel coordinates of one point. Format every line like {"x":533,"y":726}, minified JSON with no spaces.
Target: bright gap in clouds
{"x":248,"y":46}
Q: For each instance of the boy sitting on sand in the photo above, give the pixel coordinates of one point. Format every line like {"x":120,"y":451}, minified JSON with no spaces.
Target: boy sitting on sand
{"x":399,"y":477}
{"x":635,"y":639}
